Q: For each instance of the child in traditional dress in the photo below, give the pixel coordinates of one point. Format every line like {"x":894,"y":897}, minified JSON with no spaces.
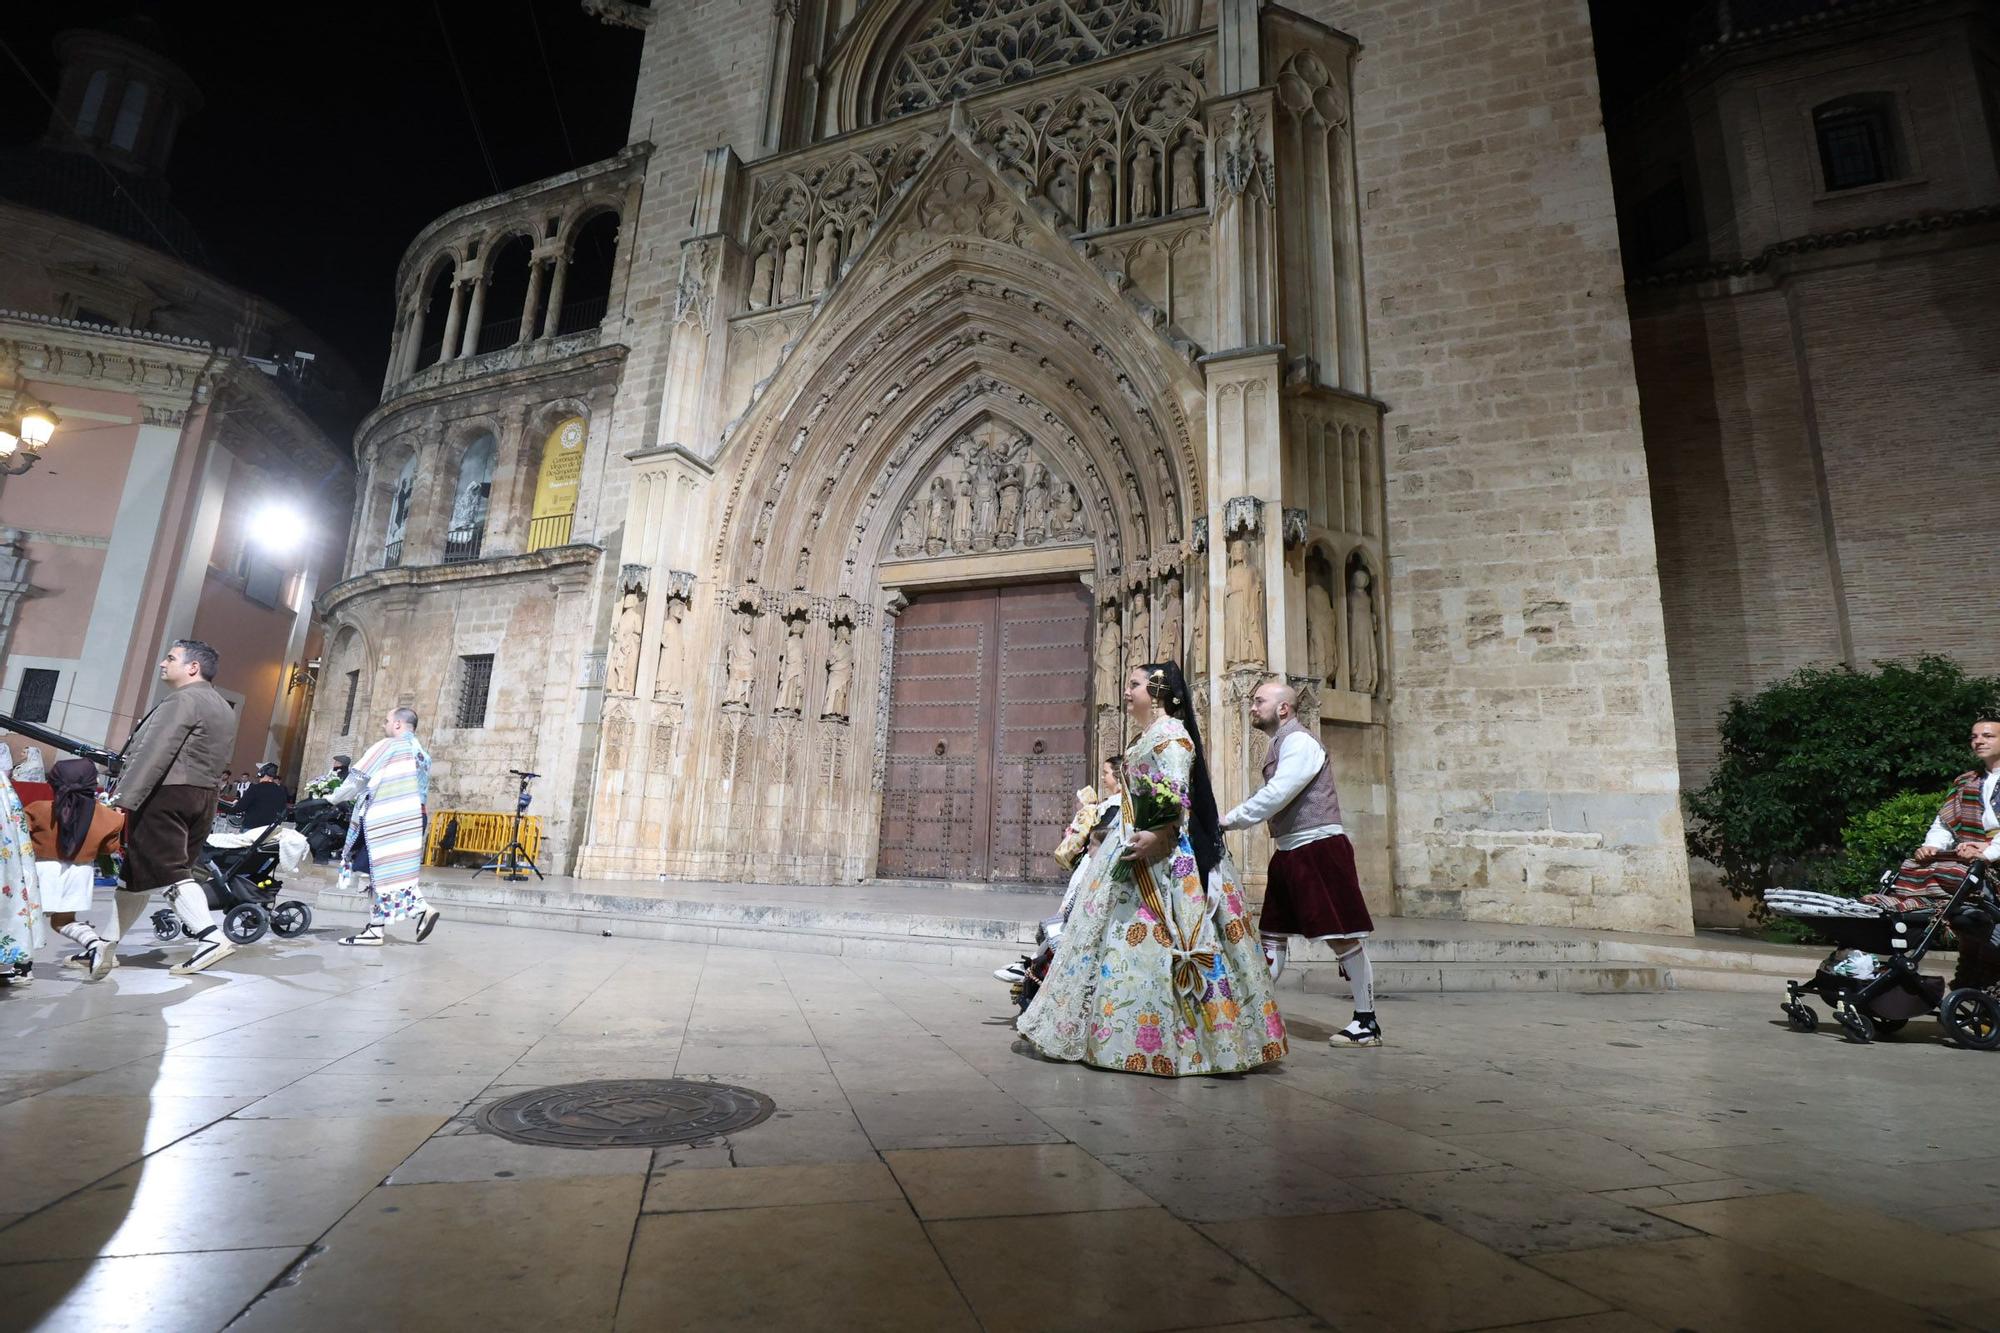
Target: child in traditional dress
{"x":70,"y":833}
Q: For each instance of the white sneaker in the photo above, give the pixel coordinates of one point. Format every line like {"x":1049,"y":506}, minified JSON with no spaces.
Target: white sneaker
{"x":1013,"y":973}
{"x":103,"y":957}
{"x":207,"y":953}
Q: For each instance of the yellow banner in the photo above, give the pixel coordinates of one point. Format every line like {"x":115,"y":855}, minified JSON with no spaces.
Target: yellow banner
{"x":562,"y":469}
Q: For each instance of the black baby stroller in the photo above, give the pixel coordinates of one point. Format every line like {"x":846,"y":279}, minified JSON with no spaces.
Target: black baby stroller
{"x":324,"y":825}
{"x":1872,"y":978}
{"x":240,"y":874}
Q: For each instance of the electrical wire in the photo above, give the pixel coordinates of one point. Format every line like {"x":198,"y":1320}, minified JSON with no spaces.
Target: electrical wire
{"x":549,"y":71}
{"x":466,"y":94}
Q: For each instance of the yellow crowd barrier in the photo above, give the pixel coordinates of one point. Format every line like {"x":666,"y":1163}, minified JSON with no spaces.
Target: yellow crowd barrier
{"x":480,"y":834}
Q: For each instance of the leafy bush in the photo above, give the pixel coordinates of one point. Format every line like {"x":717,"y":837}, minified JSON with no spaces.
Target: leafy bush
{"x":1877,"y":839}
{"x":1804,"y":756}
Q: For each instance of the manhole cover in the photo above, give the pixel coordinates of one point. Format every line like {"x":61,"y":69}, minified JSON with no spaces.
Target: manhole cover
{"x":625,"y":1113}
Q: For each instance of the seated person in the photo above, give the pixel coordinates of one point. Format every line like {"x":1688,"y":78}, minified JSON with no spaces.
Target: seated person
{"x":263,"y":804}
{"x":1962,"y":835}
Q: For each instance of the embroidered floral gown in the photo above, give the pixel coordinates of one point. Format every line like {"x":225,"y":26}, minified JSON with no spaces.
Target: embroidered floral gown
{"x":20,"y":903}
{"x":1154,"y":974}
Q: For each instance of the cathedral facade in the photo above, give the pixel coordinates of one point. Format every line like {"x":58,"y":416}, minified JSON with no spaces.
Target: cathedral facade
{"x":794,"y":489}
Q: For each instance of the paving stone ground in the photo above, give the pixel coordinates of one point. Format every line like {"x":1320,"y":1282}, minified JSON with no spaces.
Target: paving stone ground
{"x":287,"y":1143}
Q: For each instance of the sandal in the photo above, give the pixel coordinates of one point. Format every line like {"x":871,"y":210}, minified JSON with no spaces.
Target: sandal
{"x":370,"y":934}
{"x":427,"y":922}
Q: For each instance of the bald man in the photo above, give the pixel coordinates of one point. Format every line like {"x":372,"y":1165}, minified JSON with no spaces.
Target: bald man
{"x":1313,"y":889}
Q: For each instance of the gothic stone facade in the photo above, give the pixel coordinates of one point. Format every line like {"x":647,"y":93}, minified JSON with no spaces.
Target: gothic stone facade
{"x":1217,"y":309}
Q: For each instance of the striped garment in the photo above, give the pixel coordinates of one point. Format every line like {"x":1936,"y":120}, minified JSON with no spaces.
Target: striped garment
{"x":1918,"y":886}
{"x":391,"y":817}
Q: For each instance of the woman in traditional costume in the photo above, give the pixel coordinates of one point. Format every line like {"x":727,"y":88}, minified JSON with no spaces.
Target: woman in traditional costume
{"x":20,"y":898}
{"x":1160,"y":970}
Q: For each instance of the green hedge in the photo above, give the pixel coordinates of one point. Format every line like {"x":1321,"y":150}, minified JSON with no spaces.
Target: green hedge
{"x":1804,"y":758}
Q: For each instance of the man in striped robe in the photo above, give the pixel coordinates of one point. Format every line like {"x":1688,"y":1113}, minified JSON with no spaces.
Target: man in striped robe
{"x":391,"y":786}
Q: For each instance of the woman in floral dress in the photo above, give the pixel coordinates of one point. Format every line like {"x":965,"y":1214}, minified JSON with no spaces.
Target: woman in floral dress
{"x":20,"y":901}
{"x":1160,"y":970}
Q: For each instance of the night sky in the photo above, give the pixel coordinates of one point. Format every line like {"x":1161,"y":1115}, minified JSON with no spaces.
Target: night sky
{"x":332,"y":133}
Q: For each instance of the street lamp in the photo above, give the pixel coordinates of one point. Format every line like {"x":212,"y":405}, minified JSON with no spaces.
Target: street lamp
{"x":24,"y":433}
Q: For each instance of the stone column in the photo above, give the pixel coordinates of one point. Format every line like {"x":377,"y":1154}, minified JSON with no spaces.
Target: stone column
{"x":711,"y":265}
{"x":553,"y":320}
{"x":454,"y":320}
{"x":469,"y":346}
{"x":531,"y":304}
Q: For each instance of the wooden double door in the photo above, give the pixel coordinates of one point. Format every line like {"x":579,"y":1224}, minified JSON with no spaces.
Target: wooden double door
{"x":989,"y":732}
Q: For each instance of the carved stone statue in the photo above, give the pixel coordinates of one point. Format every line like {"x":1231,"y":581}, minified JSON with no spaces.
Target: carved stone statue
{"x":937,"y":532}
{"x":1110,"y":680}
{"x":742,"y":660}
{"x":1187,"y":180}
{"x":1070,"y":513}
{"x":826,"y":254}
{"x":1322,"y":651}
{"x":762,"y":533}
{"x":840,"y":671}
{"x":672,"y":660}
{"x":622,"y":676}
{"x":1101,"y":196}
{"x":792,"y":674}
{"x":1145,"y":195}
{"x":961,"y":517}
{"x":1165,"y":475}
{"x":985,"y":506}
{"x":802,"y":567}
{"x":1138,"y":646}
{"x":1361,"y":650}
{"x":789,"y":285}
{"x":1243,"y":614}
{"x":1197,"y":616}
{"x":1035,"y":521}
{"x":910,"y":531}
{"x":1137,"y":505}
{"x":1167,"y":619}
{"x":1009,"y":522}
{"x":761,"y":274}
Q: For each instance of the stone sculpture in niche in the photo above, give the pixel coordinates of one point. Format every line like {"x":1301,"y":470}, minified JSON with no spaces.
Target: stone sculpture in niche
{"x":1321,"y":653}
{"x":802,"y":567}
{"x":840,"y":672}
{"x":1137,"y":505}
{"x":961,"y":517}
{"x":1243,"y":613}
{"x":628,"y":623}
{"x":1035,"y":522}
{"x":1101,"y":191}
{"x":790,"y":284}
{"x":1187,"y":178}
{"x":672,"y":659}
{"x":761,"y":273}
{"x":1144,"y":198}
{"x":742,"y":665}
{"x":1010,"y":504}
{"x":937,"y":535}
{"x":826,"y":254}
{"x":792,"y":671}
{"x":985,"y":505}
{"x":1110,"y":684}
{"x":1138,"y":649}
{"x":910,"y":531}
{"x":1167,"y":637}
{"x":1361,"y":649}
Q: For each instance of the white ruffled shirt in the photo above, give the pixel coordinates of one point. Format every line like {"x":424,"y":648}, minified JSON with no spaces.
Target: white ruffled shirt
{"x":1299,"y":762}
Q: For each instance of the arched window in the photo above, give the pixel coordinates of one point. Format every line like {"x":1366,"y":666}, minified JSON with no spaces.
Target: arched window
{"x":469,"y":501}
{"x":506,"y":294}
{"x":593,"y":253}
{"x":1857,"y":141}
{"x":436,"y":312}
{"x":399,"y":513}
{"x":93,"y":103}
{"x":131,"y":112}
{"x":556,"y":485}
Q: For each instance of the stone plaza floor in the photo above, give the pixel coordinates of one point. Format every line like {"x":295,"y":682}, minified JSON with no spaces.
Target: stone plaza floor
{"x":287,"y":1143}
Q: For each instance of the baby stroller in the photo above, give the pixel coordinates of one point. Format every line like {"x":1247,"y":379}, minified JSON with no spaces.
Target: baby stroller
{"x":1034,"y":970}
{"x":1872,"y":978}
{"x":240,"y":872}
{"x":324,"y":825}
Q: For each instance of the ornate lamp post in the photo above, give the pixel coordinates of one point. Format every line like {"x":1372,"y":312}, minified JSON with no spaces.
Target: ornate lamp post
{"x":25,"y":430}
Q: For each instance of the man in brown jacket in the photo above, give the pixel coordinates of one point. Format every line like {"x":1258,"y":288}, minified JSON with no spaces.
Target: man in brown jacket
{"x":167,"y":789}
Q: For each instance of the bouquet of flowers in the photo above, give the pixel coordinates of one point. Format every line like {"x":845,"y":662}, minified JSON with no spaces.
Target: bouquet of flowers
{"x":1156,"y":800}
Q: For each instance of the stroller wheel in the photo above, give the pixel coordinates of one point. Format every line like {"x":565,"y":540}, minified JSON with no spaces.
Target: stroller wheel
{"x":291,"y":918}
{"x":246,"y":923}
{"x":1971,"y":1019}
{"x":165,"y":924}
{"x":1858,"y":1024}
{"x":1804,"y":1017}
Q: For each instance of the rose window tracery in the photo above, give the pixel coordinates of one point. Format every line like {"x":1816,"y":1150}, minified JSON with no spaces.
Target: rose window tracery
{"x":971,"y":46}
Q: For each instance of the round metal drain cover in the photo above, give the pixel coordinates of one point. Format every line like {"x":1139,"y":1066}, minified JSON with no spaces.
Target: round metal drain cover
{"x":625,"y":1113}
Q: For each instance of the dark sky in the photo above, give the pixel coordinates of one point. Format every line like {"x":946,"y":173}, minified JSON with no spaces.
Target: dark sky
{"x":332,"y":133}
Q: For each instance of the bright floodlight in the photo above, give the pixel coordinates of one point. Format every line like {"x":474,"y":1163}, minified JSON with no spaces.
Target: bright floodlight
{"x":38,"y":426}
{"x":278,"y":528}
